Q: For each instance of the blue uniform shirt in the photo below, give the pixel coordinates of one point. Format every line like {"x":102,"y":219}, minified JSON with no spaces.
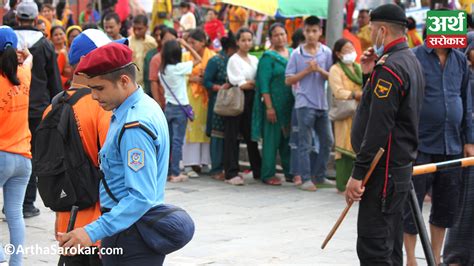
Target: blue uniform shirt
{"x":136,"y":172}
{"x":446,"y":115}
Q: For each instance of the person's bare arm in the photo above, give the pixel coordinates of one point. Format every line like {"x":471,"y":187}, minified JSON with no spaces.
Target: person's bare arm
{"x":292,"y":80}
{"x":158,"y":93}
{"x":197,"y":58}
{"x":250,"y":85}
{"x":271,"y":114}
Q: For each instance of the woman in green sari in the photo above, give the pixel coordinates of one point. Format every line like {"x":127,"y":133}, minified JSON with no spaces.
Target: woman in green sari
{"x":273,"y":103}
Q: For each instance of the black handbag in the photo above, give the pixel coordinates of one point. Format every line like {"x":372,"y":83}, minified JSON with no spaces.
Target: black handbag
{"x":162,"y":15}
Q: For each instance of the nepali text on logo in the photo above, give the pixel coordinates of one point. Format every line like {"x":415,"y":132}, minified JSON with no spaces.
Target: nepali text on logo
{"x":446,"y":29}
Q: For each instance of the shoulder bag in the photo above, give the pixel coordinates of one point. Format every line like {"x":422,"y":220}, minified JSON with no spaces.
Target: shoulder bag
{"x":187,"y":109}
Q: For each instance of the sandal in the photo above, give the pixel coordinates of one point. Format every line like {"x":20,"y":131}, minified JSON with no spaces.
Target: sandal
{"x":219,"y":177}
{"x":274,"y":181}
{"x":177,"y":179}
{"x":297,"y":180}
{"x":236,"y":181}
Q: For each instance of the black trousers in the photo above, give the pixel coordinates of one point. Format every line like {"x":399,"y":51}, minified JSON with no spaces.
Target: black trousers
{"x":135,"y":251}
{"x":233,"y":127}
{"x":380,"y":230}
{"x":446,"y":188}
{"x":30,"y":195}
{"x":80,"y":260}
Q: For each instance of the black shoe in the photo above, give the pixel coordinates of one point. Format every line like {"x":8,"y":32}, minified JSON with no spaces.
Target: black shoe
{"x":31,"y":212}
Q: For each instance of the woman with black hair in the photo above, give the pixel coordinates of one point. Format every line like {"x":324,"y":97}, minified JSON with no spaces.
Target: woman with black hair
{"x":156,"y":33}
{"x":58,"y":38}
{"x":15,"y":136}
{"x":297,"y":38}
{"x":173,"y":75}
{"x":345,"y":80}
{"x":215,"y":79}
{"x":241,"y":71}
{"x":157,"y":92}
{"x":271,"y":116}
{"x":196,"y":149}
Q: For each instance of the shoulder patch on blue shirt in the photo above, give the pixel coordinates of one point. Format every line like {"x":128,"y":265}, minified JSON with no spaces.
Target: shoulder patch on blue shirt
{"x":136,"y":159}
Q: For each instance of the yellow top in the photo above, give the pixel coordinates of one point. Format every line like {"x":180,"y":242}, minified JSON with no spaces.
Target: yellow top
{"x":160,"y":6}
{"x":237,"y":18}
{"x":140,"y":48}
{"x":342,"y":88}
{"x":467,"y":5}
{"x":198,"y":99}
{"x":364,"y":37}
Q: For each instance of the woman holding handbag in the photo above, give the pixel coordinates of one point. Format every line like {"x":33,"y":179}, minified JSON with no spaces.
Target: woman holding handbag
{"x":215,"y":80}
{"x":241,"y":71}
{"x":173,"y":75}
{"x":345,"y":80}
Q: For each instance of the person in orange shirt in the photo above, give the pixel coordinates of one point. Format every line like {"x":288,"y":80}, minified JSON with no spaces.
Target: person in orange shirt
{"x":237,"y":18}
{"x":15,"y":136}
{"x":58,"y":38}
{"x":47,"y":25}
{"x":94,"y":123}
{"x":413,"y":37}
{"x":364,"y":29}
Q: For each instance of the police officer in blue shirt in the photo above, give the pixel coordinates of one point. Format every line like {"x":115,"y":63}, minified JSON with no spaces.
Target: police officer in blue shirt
{"x":134,"y":158}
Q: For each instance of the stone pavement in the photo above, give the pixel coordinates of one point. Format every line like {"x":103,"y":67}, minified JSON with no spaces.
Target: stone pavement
{"x":250,"y":225}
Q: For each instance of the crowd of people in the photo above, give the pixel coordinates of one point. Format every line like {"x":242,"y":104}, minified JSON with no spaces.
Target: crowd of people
{"x":298,"y":99}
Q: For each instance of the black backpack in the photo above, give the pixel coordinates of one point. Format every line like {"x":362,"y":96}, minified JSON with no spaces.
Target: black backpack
{"x":66,"y":175}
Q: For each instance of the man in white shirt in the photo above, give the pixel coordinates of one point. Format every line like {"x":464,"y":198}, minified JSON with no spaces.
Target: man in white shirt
{"x":188,"y":20}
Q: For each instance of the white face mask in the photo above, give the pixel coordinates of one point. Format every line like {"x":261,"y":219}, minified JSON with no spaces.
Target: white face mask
{"x":349,"y":58}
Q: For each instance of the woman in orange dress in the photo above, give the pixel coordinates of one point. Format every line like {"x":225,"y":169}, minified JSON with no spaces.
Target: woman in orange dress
{"x":58,"y":38}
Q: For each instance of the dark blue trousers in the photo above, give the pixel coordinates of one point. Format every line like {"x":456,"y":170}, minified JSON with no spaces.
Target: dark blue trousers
{"x":135,"y":251}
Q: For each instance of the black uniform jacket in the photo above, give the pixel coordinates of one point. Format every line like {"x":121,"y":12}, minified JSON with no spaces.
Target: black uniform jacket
{"x":389,"y":111}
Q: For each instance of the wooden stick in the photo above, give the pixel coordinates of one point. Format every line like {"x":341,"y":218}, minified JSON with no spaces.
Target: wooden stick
{"x":434,"y":167}
{"x":349,"y":205}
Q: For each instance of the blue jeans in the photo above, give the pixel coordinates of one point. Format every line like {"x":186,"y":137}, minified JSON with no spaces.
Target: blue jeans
{"x":294,"y":158}
{"x":310,"y":119}
{"x":15,"y":172}
{"x":177,"y":122}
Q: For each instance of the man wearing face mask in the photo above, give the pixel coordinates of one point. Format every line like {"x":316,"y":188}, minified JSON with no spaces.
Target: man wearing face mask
{"x":386,"y":118}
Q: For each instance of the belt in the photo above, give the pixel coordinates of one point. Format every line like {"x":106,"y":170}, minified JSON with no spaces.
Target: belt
{"x":104,"y":210}
{"x":396,"y":171}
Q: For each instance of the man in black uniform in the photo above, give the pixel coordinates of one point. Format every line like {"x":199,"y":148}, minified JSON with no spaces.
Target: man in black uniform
{"x":386,"y":118}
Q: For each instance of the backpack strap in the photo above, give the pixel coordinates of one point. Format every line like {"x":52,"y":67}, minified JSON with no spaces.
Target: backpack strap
{"x":134,"y":124}
{"x":78,"y":95}
{"x":65,"y":97}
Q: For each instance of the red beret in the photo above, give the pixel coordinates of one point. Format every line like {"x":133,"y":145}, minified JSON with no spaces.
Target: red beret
{"x":105,"y":59}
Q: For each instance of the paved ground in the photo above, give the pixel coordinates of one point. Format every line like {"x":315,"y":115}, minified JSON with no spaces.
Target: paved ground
{"x":250,"y":225}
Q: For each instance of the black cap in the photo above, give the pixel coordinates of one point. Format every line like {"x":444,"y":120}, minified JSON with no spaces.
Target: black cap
{"x":389,"y":13}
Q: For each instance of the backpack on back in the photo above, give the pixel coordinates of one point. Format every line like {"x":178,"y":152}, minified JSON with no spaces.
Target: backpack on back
{"x":66,"y":175}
